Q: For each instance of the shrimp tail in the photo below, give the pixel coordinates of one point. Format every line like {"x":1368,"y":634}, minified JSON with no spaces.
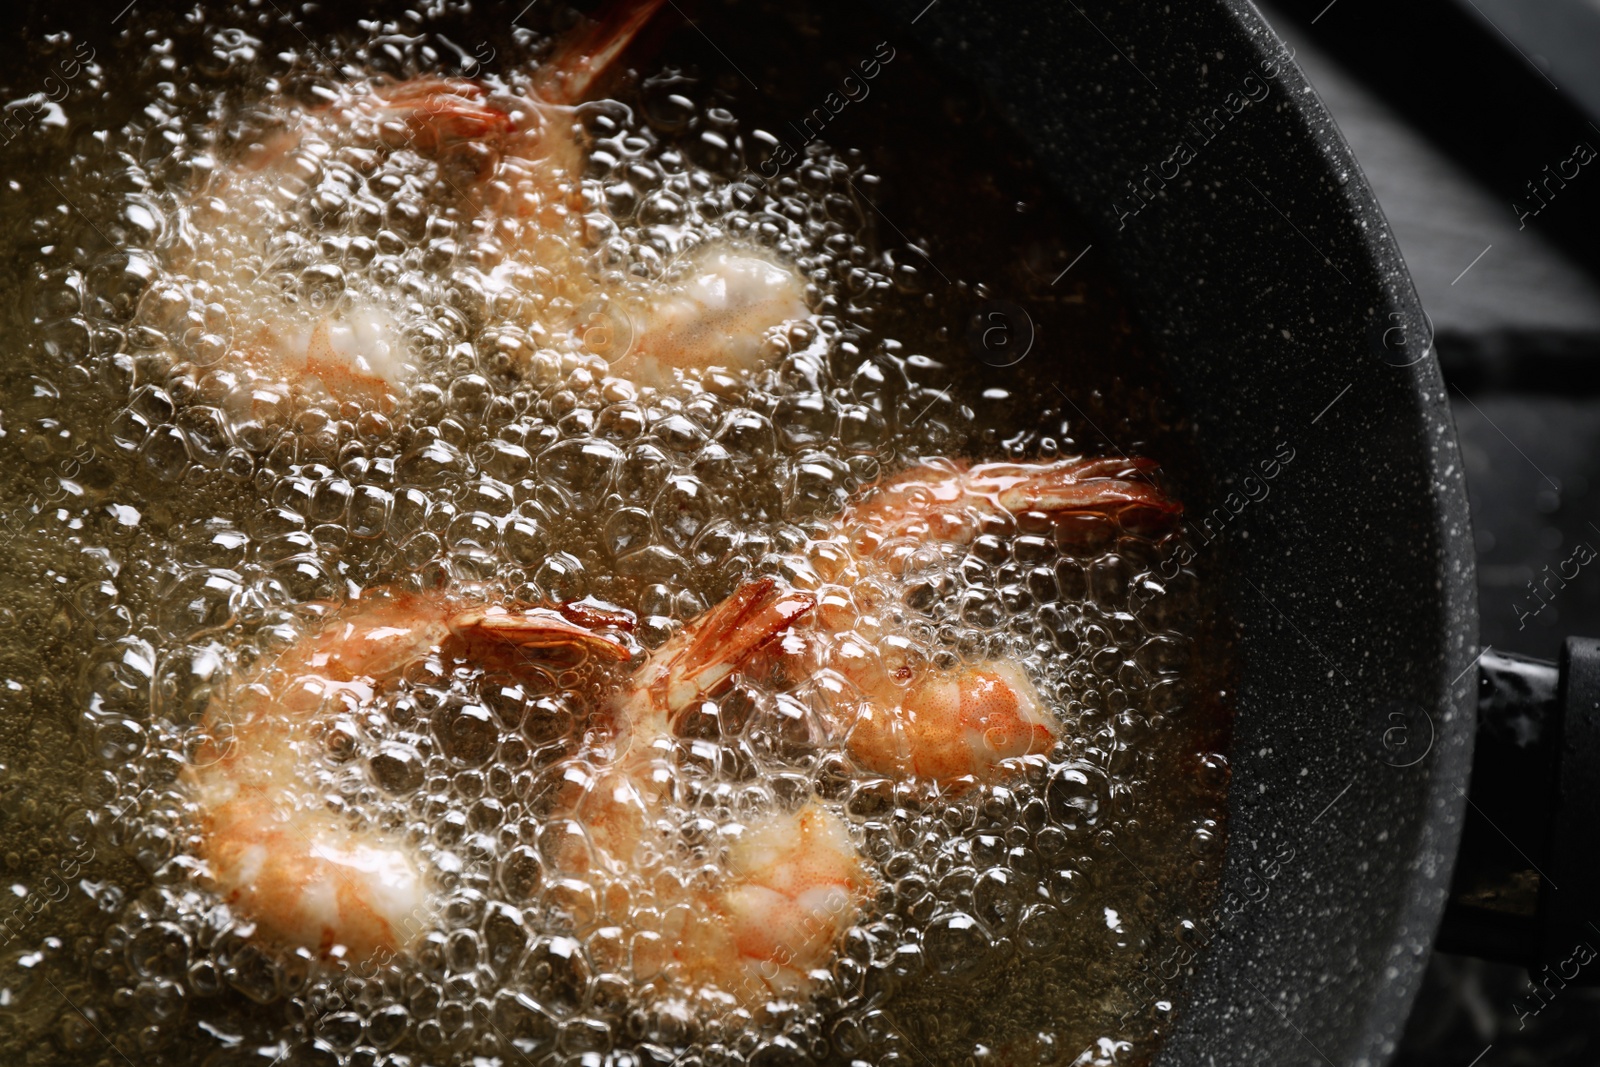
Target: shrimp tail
{"x":535,"y":630}
{"x":942,"y":500}
{"x":585,"y":57}
{"x":693,"y":665}
{"x":1109,"y":484}
{"x":441,"y":112}
{"x":725,"y":638}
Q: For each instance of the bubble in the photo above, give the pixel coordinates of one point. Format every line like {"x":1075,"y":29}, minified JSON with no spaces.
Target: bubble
{"x":397,"y":767}
{"x":955,"y":944}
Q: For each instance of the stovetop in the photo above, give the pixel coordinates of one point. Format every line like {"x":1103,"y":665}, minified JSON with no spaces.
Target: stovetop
{"x":1515,"y":306}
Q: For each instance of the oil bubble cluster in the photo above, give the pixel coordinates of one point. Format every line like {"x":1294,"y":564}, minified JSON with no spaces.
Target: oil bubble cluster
{"x":174,"y":510}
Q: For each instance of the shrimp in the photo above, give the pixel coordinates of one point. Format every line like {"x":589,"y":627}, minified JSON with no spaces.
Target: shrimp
{"x":303,"y":875}
{"x":794,"y":884}
{"x":791,"y":885}
{"x":727,"y":299}
{"x":902,"y":716}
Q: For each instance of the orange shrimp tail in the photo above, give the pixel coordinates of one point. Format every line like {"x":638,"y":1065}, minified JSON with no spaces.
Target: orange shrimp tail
{"x":379,"y":638}
{"x":729,"y":635}
{"x":584,"y":57}
{"x":446,"y":111}
{"x":1106,"y":485}
{"x":939,"y":501}
{"x":530,"y":634}
{"x":698,"y":661}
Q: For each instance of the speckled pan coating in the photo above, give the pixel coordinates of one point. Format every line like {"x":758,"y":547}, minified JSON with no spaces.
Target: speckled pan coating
{"x":1268,"y":276}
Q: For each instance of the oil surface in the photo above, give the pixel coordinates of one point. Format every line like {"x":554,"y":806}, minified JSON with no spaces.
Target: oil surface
{"x":171,"y":511}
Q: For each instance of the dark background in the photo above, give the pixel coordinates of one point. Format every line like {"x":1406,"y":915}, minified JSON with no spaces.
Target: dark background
{"x":1452,"y":108}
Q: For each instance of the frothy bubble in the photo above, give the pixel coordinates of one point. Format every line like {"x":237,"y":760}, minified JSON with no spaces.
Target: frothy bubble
{"x":181,"y":503}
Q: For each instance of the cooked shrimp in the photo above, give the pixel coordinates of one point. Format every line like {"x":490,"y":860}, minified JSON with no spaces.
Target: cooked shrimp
{"x":717,"y":314}
{"x":303,"y":875}
{"x":328,"y":337}
{"x":510,"y":166}
{"x":903,"y":716}
{"x":792,"y":883}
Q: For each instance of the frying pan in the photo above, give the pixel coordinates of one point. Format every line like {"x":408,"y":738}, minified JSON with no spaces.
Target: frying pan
{"x":1266,"y":273}
{"x":1269,"y":281}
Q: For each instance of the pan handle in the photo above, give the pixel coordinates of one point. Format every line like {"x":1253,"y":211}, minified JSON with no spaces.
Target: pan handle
{"x":1526,"y":887}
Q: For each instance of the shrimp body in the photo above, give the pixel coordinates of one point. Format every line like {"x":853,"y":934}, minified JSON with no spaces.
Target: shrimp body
{"x":717,"y":317}
{"x":356,"y":355}
{"x":301,"y":874}
{"x":795,"y":884}
{"x":336,"y":340}
{"x":945,"y":725}
{"x":901,"y":715}
{"x":304,"y":878}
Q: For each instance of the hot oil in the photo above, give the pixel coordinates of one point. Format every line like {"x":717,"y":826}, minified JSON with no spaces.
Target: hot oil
{"x":173,"y":512}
